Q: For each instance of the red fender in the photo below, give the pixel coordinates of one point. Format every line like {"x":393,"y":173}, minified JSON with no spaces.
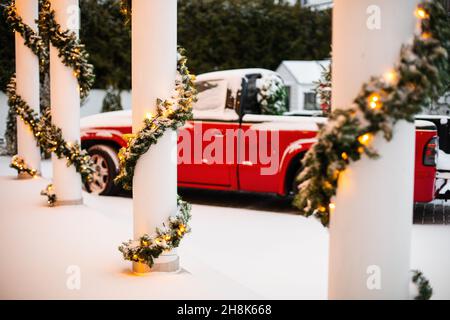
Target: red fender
{"x":295,"y":148}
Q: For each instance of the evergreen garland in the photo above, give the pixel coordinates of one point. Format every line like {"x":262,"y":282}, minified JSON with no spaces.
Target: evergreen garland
{"x":73,"y":55}
{"x":170,"y":114}
{"x":31,"y":39}
{"x":422,"y":73}
{"x":71,"y":51}
{"x":146,"y":249}
{"x":50,"y":193}
{"x":112,"y":101}
{"x":20,"y":165}
{"x":425,"y":291}
{"x":48,"y":136}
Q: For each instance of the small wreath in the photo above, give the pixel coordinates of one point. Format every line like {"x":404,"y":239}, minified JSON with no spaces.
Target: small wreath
{"x":272,"y":95}
{"x":423,"y":73}
{"x":148,"y":248}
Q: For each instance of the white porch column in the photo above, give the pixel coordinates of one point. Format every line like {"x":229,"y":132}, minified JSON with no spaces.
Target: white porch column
{"x":370,"y":229}
{"x":27,"y":79}
{"x":65,"y":103}
{"x":154,"y":54}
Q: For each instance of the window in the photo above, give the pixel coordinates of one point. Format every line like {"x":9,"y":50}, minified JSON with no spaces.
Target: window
{"x":310,"y":101}
{"x":211,"y":95}
{"x":288,"y":97}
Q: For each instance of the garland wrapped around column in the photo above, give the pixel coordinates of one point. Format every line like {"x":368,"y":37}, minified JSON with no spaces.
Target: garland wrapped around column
{"x":71,"y":51}
{"x":47,"y":135}
{"x":422,"y":73}
{"x":171,"y":114}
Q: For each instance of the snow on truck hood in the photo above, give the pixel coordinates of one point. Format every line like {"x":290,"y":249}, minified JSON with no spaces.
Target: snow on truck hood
{"x":107,"y":119}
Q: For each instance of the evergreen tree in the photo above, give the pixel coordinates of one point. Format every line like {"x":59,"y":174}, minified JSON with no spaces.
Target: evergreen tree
{"x":112,"y":101}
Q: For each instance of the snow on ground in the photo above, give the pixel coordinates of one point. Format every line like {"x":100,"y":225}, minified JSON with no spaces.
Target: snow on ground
{"x":232,"y":253}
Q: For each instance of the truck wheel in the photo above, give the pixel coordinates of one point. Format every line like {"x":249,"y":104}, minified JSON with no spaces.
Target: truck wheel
{"x":106,"y":166}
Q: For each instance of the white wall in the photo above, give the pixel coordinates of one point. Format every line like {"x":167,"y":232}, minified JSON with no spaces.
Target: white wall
{"x":92,"y":105}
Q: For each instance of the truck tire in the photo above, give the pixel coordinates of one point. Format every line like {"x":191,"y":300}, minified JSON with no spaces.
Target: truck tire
{"x":106,"y":165}
{"x":294,"y":185}
{"x":295,"y":167}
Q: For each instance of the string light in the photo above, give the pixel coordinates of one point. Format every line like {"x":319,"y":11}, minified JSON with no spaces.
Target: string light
{"x":365,"y":139}
{"x":402,"y":85}
{"x":421,"y":13}
{"x":426,"y":35}
{"x":149,"y":115}
{"x":332,"y":206}
{"x":391,"y":77}
{"x":344,"y":155}
{"x":375,"y":101}
{"x":72,"y":55}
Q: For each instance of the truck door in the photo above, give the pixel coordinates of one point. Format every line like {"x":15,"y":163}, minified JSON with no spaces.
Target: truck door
{"x":209,"y":162}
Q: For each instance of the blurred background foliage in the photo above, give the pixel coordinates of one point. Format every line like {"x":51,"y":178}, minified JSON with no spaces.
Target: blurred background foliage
{"x":218,"y":34}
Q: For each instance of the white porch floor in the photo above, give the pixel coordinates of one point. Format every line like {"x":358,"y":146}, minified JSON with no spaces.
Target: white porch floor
{"x":231,"y":254}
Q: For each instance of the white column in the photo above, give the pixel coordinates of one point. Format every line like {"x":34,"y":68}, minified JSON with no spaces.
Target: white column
{"x":27,"y":79}
{"x":65,"y":103}
{"x":154,"y":44}
{"x":370,"y":229}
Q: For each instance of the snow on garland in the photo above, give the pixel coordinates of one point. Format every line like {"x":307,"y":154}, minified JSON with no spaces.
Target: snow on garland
{"x":147,"y":248}
{"x":422,"y":72}
{"x":171,"y":114}
{"x":21,"y":166}
{"x":48,"y":136}
{"x":73,"y":55}
{"x":71,"y":51}
{"x":272,"y":95}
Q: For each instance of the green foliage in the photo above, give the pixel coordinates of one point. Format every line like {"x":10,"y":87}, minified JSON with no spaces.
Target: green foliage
{"x":219,"y":34}
{"x":228,"y":34}
{"x":112,"y":101}
{"x":107,"y":41}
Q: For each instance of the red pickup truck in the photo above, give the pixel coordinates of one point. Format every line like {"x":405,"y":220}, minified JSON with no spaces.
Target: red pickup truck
{"x":232,"y":145}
